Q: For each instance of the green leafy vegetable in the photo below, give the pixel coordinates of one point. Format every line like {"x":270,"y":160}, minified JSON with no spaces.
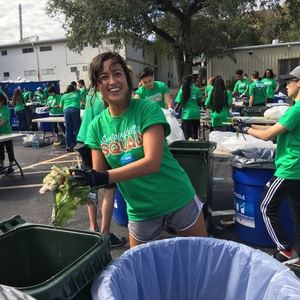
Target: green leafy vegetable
{"x":66,"y":197}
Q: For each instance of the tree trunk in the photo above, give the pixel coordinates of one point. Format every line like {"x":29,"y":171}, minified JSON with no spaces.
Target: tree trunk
{"x":179,"y":65}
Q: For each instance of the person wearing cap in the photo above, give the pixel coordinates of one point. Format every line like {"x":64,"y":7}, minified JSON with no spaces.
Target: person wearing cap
{"x":39,"y":95}
{"x":286,"y":180}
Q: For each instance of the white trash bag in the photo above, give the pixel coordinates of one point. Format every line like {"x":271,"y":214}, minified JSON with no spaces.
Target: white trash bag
{"x":228,"y":141}
{"x":275,"y":112}
{"x":176,"y":131}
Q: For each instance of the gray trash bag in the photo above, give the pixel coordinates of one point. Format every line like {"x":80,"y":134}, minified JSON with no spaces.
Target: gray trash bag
{"x":10,"y":293}
{"x":195,"y":268}
{"x":252,"y":158}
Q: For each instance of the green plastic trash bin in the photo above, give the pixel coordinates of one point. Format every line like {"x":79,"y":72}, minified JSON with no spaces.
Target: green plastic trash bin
{"x":193,"y":157}
{"x":49,"y":263}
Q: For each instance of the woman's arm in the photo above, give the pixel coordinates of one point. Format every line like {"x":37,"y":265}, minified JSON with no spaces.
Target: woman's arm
{"x":153,"y":144}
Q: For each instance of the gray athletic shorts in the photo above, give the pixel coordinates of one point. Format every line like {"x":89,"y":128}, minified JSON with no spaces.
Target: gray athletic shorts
{"x":179,"y":220}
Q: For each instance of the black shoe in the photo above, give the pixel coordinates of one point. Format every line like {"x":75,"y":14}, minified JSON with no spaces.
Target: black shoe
{"x":10,"y":171}
{"x":115,"y":241}
{"x":70,"y":150}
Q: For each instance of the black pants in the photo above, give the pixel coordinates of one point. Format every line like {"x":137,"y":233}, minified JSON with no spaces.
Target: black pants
{"x":190,"y":128}
{"x":9,"y":149}
{"x":275,"y":191}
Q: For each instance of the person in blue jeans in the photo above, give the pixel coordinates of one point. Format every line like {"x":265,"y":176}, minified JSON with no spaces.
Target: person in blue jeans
{"x":70,"y":103}
{"x":18,"y":104}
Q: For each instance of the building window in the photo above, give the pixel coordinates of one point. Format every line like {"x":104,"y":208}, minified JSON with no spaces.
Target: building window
{"x":143,"y":53}
{"x":73,"y":69}
{"x":27,"y":50}
{"x":110,"y":41}
{"x":6,"y":74}
{"x":4,"y":52}
{"x":45,"y":48}
{"x":85,"y":44}
{"x":29,"y":72}
{"x":47,"y":71}
{"x":84,"y":68}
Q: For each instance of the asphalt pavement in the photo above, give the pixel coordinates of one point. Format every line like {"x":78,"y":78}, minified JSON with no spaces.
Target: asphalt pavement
{"x":20,"y":195}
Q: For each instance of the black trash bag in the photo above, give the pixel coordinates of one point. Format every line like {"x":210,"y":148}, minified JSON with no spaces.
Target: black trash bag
{"x":257,"y":158}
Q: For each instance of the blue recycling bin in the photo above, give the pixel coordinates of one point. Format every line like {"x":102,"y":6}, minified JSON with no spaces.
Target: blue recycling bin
{"x":251,"y":170}
{"x":45,"y":127}
{"x":120,"y":209}
{"x":195,"y":268}
{"x":13,"y":119}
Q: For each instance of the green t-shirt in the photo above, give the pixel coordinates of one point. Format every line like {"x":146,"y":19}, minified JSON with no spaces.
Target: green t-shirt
{"x":19,"y":106}
{"x":93,"y":107}
{"x":258,"y":91}
{"x":241,"y":86}
{"x":156,"y":94}
{"x":46,"y":94}
{"x":270,"y":85}
{"x":5,"y":115}
{"x":287,"y":159}
{"x":217,"y":119}
{"x":53,"y":101}
{"x":71,"y":100}
{"x":208,"y":88}
{"x":1,"y":92}
{"x":39,"y":97}
{"x":190,"y":111}
{"x":121,"y":141}
{"x":26,"y":96}
{"x":83,"y":92}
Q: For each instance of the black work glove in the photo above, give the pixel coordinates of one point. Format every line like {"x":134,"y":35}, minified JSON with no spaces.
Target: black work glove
{"x":88,"y":176}
{"x":240,"y":126}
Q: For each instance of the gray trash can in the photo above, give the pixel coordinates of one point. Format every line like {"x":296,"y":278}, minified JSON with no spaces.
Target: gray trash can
{"x":195,"y":268}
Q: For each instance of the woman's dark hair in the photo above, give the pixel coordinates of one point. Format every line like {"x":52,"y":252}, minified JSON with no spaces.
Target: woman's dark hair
{"x":218,"y":97}
{"x":70,"y":88}
{"x":3,"y":99}
{"x":51,"y":89}
{"x":17,"y":97}
{"x":96,"y":68}
{"x":187,"y":81}
{"x":271,"y":73}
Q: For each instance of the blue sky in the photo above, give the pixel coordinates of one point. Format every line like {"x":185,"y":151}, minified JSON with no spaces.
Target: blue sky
{"x":34,"y":19}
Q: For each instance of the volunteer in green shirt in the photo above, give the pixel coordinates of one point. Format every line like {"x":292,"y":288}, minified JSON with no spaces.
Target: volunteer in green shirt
{"x":18,"y":105}
{"x":53,"y":103}
{"x":94,"y":106}
{"x":26,"y":95}
{"x":257,"y":91}
{"x":241,"y":88}
{"x":39,"y":96}
{"x":270,"y":84}
{"x":46,"y":93}
{"x":83,"y":92}
{"x":219,"y":101}
{"x":209,"y":86}
{"x":70,"y":103}
{"x":156,"y":189}
{"x":286,"y":180}
{"x":5,"y":128}
{"x":155,"y":91}
{"x":189,"y":98}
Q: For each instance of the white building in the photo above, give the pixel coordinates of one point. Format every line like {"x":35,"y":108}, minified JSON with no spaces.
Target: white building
{"x":53,"y":60}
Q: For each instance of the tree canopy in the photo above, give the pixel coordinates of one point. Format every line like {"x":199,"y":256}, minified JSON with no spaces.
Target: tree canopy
{"x":183,"y":28}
